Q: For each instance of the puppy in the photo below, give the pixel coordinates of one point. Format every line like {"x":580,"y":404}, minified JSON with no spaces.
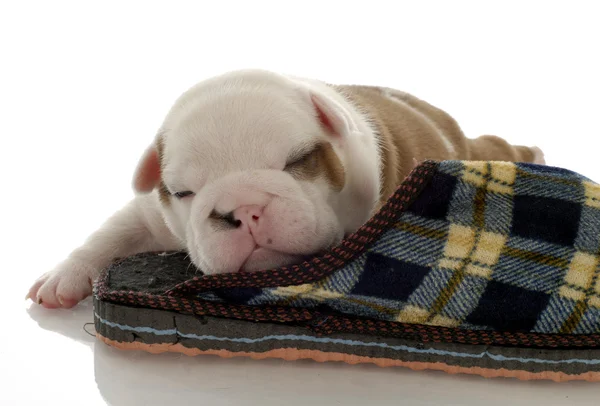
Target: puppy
{"x":254,"y":170}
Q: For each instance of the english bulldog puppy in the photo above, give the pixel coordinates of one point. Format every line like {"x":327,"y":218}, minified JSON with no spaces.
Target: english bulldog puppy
{"x":253,"y":170}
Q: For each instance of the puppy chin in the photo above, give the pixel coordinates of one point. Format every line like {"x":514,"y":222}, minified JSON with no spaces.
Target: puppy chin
{"x":259,"y":259}
{"x":265,"y":259}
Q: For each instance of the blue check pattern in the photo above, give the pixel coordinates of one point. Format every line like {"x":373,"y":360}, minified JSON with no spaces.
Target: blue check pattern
{"x":486,"y":246}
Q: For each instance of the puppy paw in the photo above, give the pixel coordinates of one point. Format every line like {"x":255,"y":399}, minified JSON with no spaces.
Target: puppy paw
{"x":65,"y":286}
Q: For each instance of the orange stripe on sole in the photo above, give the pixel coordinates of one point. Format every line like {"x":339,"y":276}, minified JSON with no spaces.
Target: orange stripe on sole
{"x":293,"y":354}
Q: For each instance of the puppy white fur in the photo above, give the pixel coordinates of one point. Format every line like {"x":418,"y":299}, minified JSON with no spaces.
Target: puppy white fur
{"x":250,"y":170}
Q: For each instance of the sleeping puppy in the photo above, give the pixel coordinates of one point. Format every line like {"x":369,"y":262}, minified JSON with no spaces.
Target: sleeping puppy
{"x":254,"y":170}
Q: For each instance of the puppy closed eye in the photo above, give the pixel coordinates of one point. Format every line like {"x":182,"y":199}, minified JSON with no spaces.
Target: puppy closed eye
{"x":304,"y":161}
{"x":321,"y":160}
{"x":184,"y":194}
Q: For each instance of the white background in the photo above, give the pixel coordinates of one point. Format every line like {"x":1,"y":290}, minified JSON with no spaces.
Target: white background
{"x":83,"y":88}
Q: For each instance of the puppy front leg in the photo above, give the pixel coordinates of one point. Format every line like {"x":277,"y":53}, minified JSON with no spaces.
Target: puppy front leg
{"x":138,"y":227}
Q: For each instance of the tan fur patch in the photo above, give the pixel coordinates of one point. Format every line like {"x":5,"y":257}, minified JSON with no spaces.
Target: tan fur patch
{"x":163,"y":192}
{"x":332,"y":166}
{"x":411,"y":130}
{"x":321,"y":161}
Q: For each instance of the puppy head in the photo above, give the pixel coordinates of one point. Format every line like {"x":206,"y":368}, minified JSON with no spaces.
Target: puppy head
{"x":256,"y":170}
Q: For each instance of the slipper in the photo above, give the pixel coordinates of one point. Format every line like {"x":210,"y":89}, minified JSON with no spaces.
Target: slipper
{"x":487,"y":268}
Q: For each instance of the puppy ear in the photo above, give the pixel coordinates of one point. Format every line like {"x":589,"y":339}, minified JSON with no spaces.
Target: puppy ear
{"x":333,"y":117}
{"x":147,"y":173}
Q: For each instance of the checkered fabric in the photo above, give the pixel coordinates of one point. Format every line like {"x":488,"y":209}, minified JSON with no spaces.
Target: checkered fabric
{"x":486,"y":246}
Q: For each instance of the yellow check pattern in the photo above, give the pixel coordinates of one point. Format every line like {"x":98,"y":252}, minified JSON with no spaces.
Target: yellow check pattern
{"x":592,"y":194}
{"x":469,"y":250}
{"x":489,"y":241}
{"x":582,"y":285}
{"x":497,"y":177}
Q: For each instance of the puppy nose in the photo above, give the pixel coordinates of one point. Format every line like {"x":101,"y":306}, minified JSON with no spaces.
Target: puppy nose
{"x":248,"y":215}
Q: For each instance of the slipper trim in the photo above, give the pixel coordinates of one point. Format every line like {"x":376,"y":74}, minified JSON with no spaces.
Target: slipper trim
{"x":327,"y":324}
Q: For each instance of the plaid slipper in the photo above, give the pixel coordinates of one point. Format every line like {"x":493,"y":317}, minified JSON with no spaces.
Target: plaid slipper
{"x":488,"y":268}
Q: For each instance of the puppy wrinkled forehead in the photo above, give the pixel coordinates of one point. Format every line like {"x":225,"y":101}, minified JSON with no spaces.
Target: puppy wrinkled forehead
{"x":248,"y":131}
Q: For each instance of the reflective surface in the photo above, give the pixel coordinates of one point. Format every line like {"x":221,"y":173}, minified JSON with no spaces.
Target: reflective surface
{"x":84,"y":89}
{"x":58,"y":361}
